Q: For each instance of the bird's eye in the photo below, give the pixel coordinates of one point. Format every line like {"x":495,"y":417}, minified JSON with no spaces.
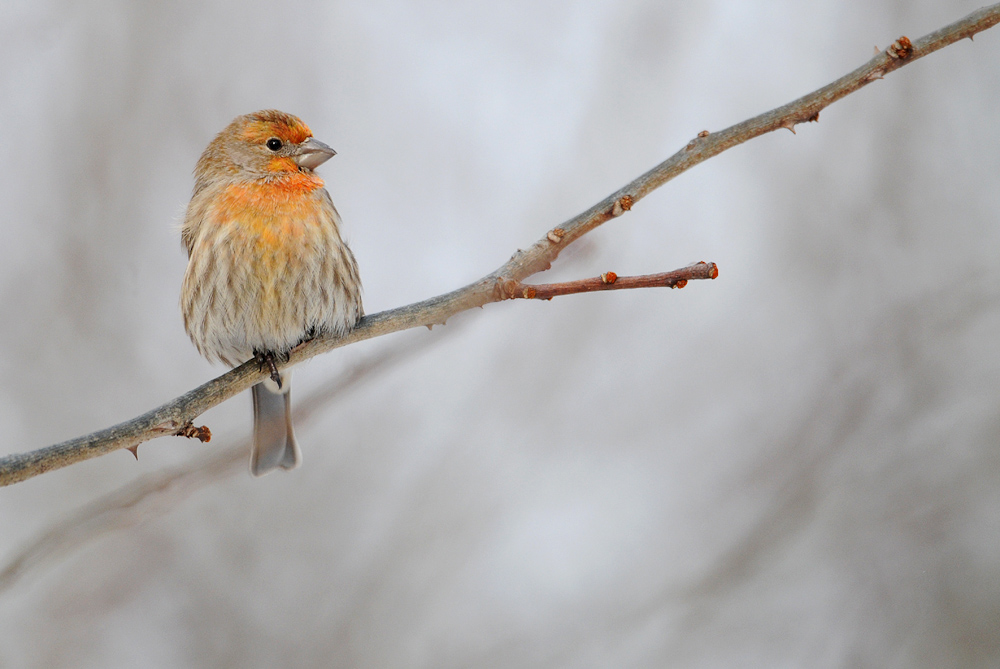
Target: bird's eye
{"x":274,"y":144}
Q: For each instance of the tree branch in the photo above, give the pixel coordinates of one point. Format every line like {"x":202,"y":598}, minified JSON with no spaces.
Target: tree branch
{"x":610,"y":281}
{"x":176,"y":414}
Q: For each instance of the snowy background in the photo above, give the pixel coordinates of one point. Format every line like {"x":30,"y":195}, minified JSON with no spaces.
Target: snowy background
{"x":794,"y":465}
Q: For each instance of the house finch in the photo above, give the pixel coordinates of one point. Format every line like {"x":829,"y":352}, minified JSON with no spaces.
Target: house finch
{"x":267,"y":267}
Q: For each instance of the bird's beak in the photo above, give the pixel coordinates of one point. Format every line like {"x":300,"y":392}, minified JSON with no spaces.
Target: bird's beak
{"x":312,"y":153}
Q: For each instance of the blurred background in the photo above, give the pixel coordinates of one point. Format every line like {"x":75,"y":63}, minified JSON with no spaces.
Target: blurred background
{"x":794,"y":465}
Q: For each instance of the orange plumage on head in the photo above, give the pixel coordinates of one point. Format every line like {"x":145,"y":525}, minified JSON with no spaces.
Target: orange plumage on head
{"x":261,"y":126}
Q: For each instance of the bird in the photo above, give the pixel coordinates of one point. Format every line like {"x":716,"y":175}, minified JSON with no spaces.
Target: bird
{"x":268,"y":267}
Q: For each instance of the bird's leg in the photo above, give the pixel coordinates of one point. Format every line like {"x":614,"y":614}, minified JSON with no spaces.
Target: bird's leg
{"x":267,"y":359}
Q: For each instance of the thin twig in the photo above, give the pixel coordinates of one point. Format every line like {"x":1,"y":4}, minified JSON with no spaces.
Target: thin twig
{"x":513,"y":290}
{"x":172,"y":416}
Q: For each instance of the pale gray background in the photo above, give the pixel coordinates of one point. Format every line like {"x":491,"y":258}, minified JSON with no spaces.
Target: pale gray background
{"x":794,"y":465}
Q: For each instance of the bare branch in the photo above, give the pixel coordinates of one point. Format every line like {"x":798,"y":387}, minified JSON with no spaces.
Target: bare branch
{"x":176,"y":414}
{"x":610,"y":281}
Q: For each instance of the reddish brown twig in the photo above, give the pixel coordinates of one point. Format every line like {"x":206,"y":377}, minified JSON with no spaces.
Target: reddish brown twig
{"x":678,"y":278}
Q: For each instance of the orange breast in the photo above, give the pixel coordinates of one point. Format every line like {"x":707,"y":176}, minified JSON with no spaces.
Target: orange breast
{"x":274,"y":212}
{"x":266,"y":267}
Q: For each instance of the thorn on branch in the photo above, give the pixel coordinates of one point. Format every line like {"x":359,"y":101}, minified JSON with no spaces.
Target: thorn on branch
{"x":202,"y":434}
{"x":134,"y":450}
{"x":901,"y":49}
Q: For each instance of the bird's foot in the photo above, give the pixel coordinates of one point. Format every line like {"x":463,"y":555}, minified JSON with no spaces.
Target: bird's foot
{"x":269,"y":360}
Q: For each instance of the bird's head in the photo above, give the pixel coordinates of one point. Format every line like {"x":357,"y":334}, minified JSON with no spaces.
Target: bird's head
{"x":263,"y":144}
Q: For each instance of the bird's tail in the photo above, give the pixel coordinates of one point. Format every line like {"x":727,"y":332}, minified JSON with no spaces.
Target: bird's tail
{"x":273,"y":438}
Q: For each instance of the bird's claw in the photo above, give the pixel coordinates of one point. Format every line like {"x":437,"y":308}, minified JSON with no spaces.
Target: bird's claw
{"x":267,"y":359}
